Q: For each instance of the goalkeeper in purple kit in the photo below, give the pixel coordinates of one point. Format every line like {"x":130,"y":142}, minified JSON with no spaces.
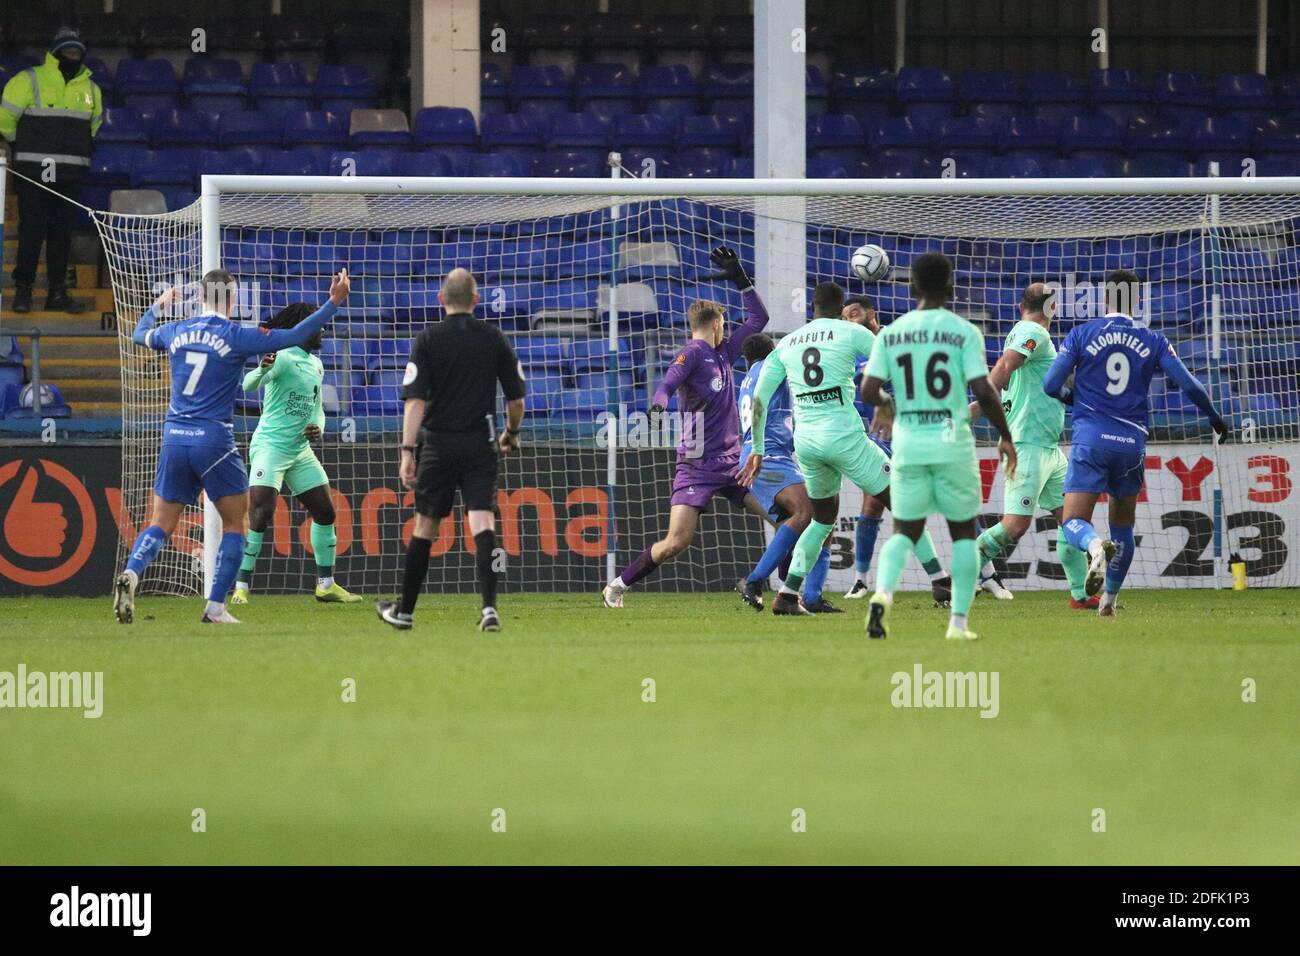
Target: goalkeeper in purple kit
{"x":709,"y":453}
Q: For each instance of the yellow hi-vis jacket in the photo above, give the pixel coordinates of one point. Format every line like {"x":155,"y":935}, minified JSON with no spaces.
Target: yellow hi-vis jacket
{"x":45,"y":117}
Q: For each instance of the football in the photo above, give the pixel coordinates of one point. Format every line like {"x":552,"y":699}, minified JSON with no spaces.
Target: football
{"x":870,"y":263}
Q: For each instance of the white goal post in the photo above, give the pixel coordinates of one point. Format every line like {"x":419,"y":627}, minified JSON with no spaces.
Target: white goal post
{"x":592,"y":265}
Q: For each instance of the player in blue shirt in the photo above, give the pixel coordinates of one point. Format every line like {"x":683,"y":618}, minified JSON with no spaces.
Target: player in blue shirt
{"x":206,"y":353}
{"x":1112,"y":360}
{"x":779,"y":488}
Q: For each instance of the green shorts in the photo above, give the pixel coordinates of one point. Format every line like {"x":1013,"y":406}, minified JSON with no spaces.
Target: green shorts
{"x":951,"y":490}
{"x":1039,"y":481}
{"x":826,"y":462}
{"x":272,"y":467}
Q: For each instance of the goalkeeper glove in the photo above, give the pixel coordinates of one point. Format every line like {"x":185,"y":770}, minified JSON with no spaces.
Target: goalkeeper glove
{"x":729,"y":268}
{"x":1222,"y":429}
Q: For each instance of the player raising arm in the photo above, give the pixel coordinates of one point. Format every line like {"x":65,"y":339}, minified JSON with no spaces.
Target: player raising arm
{"x":1036,"y":425}
{"x":931,"y":354}
{"x":709,"y":452}
{"x":206,"y":353}
{"x":1113,"y":359}
{"x":293,"y":416}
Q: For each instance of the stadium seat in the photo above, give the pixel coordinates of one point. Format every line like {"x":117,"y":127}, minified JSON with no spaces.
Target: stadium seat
{"x":110,"y":165}
{"x":995,"y":114}
{"x":122,"y":124}
{"x":667,"y":89}
{"x":919,"y":84}
{"x":341,"y":89}
{"x":989,"y":86}
{"x":540,"y":88}
{"x":16,"y":402}
{"x":1084,"y":167}
{"x":280,"y":87}
{"x":493,"y":89}
{"x":498,"y":164}
{"x":965,"y":133}
{"x":99,"y":72}
{"x":1156,"y":164}
{"x":827,"y":168}
{"x":605,"y":84}
{"x":183,"y":128}
{"x":727,"y":81}
{"x":1052,"y":86}
{"x":304,"y":161}
{"x":162,"y":168}
{"x":648,"y":162}
{"x":214,"y":85}
{"x":644,"y":130}
{"x":568,"y":163}
{"x":902,"y":137}
{"x":1288,"y":92}
{"x":445,"y":126}
{"x":838,"y":131}
{"x":146,"y":85}
{"x":699,"y":164}
{"x":1223,"y":138}
{"x":1243,"y":91}
{"x":1156,"y":134}
{"x":378,"y":128}
{"x":364,"y":162}
{"x":1015,"y":167}
{"x":1116,"y":86}
{"x":315,"y":127}
{"x":1181,"y":90}
{"x":1030,"y":137}
{"x":853,"y":88}
{"x":577,"y":131}
{"x":1089,"y":137}
{"x":707,"y":132}
{"x":249,"y":128}
{"x":816,"y":91}
{"x":513,"y":132}
{"x":245,"y":161}
{"x":430,"y":163}
{"x":1278,"y":135}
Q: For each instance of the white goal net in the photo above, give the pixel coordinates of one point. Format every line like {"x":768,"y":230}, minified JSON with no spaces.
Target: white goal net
{"x":592,"y":283}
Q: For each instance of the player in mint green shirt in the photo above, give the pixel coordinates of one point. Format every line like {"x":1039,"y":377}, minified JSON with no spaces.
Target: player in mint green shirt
{"x":1036,"y":421}
{"x":280,"y":454}
{"x":819,"y":361}
{"x":931,"y":354}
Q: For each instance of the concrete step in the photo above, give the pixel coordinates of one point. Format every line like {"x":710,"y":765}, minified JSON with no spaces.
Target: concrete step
{"x":96,"y":301}
{"x":97,"y":409}
{"x":50,"y":323}
{"x":62,"y":367}
{"x":87,"y":276}
{"x":76,"y":390}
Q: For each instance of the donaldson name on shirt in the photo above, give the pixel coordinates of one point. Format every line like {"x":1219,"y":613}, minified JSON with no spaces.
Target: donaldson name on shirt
{"x":214,"y":342}
{"x":1125,"y":339}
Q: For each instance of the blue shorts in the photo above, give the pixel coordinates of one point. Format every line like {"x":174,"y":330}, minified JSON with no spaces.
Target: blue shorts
{"x":184,"y":469}
{"x":1094,"y":470}
{"x":777,"y":475}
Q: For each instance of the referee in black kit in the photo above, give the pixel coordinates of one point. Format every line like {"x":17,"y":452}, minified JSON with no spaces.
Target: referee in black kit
{"x":450,"y":388}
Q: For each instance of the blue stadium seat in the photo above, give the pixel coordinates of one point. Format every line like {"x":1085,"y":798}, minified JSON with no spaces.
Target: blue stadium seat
{"x":922,"y":84}
{"x":1288,"y":92}
{"x":648,"y":162}
{"x":244,"y":161}
{"x":498,"y":164}
{"x":739,"y":167}
{"x":11,"y":404}
{"x":1156,"y":163}
{"x":1087,"y":137}
{"x":826,"y":168}
{"x":1123,"y":114}
{"x":388,"y":354}
{"x":965,"y":133}
{"x":666,"y":85}
{"x":929,"y":114}
{"x":1015,"y":167}
{"x":1225,"y":139}
{"x":161,"y":168}
{"x":816,"y":91}
{"x":1116,"y":86}
{"x":1181,"y":90}
{"x":835,"y":131}
{"x":365,"y":162}
{"x":1243,"y":91}
{"x":249,"y":128}
{"x":147,"y":85}
{"x":99,"y":72}
{"x":902,"y":136}
{"x":1052,"y":86}
{"x":644,"y":130}
{"x":853,"y":86}
{"x":611,"y":85}
{"x":989,"y":86}
{"x":702,"y":163}
{"x":1156,"y":135}
{"x":280,"y":87}
{"x":431,"y":163}
{"x":214,"y":85}
{"x":122,"y":124}
{"x":727,"y":81}
{"x":315,"y":127}
{"x":569,"y":163}
{"x":1278,"y":135}
{"x":995,"y":114}
{"x":543,"y":87}
{"x":1278,"y":164}
{"x":184,"y":128}
{"x":494,"y":91}
{"x":707,"y":131}
{"x":304,"y":161}
{"x":110,"y":165}
{"x":383,"y":399}
{"x":511,"y":132}
{"x":445,"y":126}
{"x":343,"y":88}
{"x":1030,"y":137}
{"x":1084,"y":167}
{"x":577,"y":131}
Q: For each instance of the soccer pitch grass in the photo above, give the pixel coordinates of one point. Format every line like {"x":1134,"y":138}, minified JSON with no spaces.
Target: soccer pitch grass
{"x":1141,"y":717}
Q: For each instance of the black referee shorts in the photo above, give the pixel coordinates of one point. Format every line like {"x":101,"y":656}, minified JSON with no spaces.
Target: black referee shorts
{"x":450,"y":460}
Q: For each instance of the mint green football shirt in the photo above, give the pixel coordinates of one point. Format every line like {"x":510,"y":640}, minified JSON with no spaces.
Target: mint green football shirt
{"x":292,"y":400}
{"x":1035,"y":418}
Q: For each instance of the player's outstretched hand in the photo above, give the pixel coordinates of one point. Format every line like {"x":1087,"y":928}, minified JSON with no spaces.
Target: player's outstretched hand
{"x":1007,"y":452}
{"x":1222,"y":429}
{"x":729,"y":268}
{"x":268,"y":360}
{"x":340,"y":287}
{"x":749,"y":470}
{"x":312,"y":433}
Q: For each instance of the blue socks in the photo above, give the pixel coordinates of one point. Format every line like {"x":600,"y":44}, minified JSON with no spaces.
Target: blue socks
{"x":783,"y":542}
{"x":864,"y":543}
{"x":1080,"y":534}
{"x":1117,"y":570}
{"x":816,"y":580}
{"x":148,"y":543}
{"x":229,"y":554}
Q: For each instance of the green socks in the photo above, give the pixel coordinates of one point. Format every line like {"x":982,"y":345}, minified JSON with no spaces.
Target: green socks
{"x":324,"y":541}
{"x":806,"y":551}
{"x":995,"y":542}
{"x":965,"y":573}
{"x":893,"y":558}
{"x":252,"y":548}
{"x":924,"y":549}
{"x":1075,"y":563}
